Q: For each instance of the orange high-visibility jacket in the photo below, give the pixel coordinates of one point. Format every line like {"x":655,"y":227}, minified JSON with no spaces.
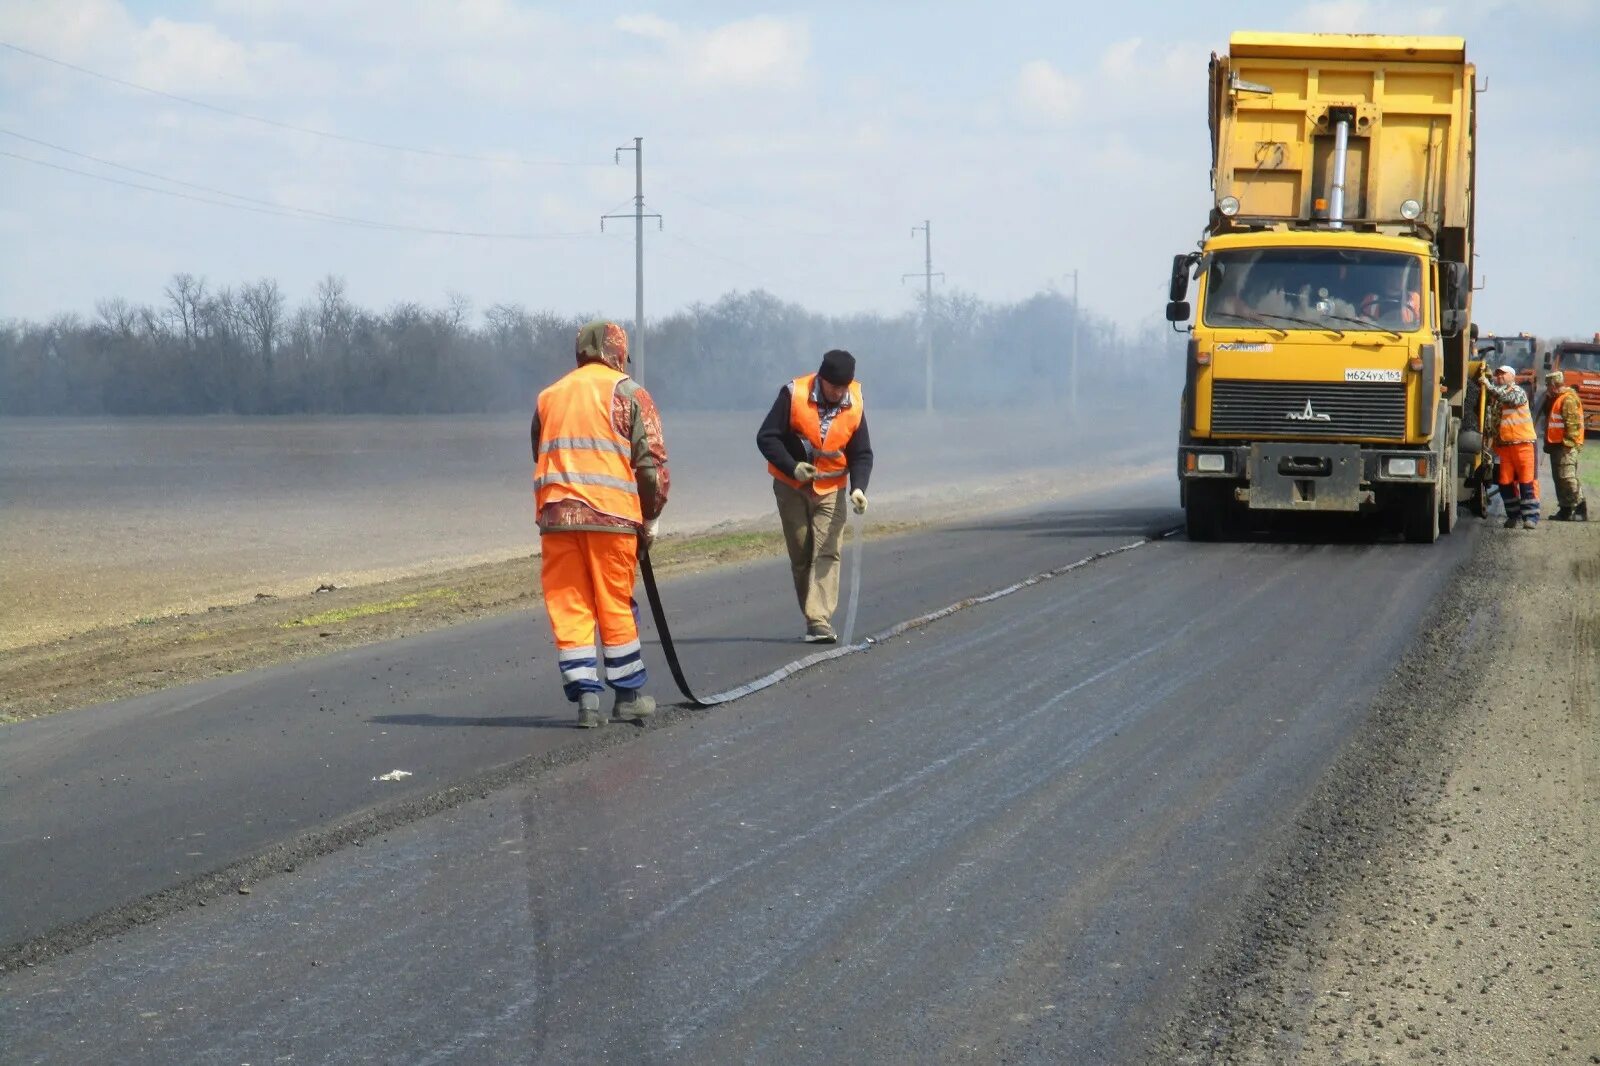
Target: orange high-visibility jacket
{"x":1516,"y":425}
{"x":1556,"y":431}
{"x":826,"y":455}
{"x":581,"y":454}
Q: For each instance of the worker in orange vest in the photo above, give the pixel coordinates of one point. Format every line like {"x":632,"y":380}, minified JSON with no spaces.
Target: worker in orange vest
{"x":600,"y":481}
{"x":1563,"y":440}
{"x":815,"y":441}
{"x":1514,"y":442}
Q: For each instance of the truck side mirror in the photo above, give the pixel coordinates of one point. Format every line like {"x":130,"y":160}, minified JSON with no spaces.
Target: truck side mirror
{"x":1179,"y":287}
{"x":1457,"y":286}
{"x":1178,"y":311}
{"x":1451,"y":322}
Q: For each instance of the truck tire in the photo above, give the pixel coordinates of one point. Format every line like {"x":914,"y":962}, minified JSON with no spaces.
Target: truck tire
{"x":1207,"y":510}
{"x":1449,"y":508}
{"x":1420,"y":520}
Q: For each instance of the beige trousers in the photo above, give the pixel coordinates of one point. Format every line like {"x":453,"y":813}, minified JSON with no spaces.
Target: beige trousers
{"x":813,"y":530}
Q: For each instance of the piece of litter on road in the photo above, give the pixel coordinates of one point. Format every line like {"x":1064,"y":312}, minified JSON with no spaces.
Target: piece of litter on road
{"x":393,"y":775}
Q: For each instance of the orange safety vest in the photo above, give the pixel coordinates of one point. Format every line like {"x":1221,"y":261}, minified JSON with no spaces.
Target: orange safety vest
{"x":1516,"y":425}
{"x":805,"y":418}
{"x":1555,"y":431}
{"x":581,"y":454}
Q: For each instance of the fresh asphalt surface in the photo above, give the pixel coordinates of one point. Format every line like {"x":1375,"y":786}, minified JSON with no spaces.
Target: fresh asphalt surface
{"x":1010,"y":834}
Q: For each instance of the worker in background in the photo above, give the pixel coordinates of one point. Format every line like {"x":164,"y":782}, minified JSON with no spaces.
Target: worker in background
{"x":1514,"y":439}
{"x":600,"y":481}
{"x":815,"y":441}
{"x":1563,"y":439}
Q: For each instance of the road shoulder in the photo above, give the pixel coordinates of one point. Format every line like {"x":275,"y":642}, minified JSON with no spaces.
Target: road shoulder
{"x":1442,"y":899}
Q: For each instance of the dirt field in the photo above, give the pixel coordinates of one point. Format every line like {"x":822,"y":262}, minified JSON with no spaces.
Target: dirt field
{"x":110,"y":522}
{"x":137,"y":555}
{"x":1443,"y":901}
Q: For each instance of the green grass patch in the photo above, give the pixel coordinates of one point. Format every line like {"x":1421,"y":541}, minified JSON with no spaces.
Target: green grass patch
{"x":367,"y":610}
{"x":717,"y":545}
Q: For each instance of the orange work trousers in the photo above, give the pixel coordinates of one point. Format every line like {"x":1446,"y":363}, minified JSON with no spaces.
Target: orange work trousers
{"x":1519,"y":465}
{"x":588,"y":586}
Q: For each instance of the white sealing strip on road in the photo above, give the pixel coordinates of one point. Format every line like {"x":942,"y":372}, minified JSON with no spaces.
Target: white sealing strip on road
{"x":790,"y":669}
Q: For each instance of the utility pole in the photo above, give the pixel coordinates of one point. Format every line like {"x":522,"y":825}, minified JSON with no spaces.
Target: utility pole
{"x":636,"y":352}
{"x":1072,"y":363}
{"x":927,"y":277}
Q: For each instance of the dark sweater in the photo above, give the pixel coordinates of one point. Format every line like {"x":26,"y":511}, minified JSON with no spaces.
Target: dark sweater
{"x":783,"y":447}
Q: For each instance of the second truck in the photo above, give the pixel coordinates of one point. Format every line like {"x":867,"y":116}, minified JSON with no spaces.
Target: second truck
{"x":1328,"y":362}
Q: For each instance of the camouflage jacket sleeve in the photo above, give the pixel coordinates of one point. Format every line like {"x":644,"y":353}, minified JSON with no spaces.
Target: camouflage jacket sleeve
{"x":637,"y":417}
{"x":1572,"y":414}
{"x":1507,"y":395}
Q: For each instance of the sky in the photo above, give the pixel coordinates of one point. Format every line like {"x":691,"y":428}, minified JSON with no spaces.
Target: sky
{"x":790,"y":148}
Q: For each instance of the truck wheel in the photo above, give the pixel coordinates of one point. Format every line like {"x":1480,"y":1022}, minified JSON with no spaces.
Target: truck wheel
{"x":1207,"y":510}
{"x":1421,"y":519}
{"x":1450,"y":483}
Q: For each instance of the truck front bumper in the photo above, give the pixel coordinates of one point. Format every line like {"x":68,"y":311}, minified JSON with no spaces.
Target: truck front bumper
{"x":1307,"y":476}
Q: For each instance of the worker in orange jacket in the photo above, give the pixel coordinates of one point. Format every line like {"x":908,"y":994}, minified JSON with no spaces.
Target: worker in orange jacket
{"x":1514,"y":441}
{"x":600,"y":482}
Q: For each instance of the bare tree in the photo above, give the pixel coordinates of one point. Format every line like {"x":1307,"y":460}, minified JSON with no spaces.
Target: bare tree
{"x":261,"y":311}
{"x":188,"y":296}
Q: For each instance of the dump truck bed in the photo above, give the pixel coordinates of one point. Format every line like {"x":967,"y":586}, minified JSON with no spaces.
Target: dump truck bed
{"x":1275,"y":100}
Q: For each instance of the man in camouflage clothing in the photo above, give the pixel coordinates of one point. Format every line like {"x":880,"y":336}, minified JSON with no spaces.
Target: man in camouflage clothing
{"x":1563,"y":440}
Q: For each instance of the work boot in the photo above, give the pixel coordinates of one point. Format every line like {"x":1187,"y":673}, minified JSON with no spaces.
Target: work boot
{"x":1580,"y":513}
{"x":632,"y":706}
{"x":1512,"y":521}
{"x":1530,"y":523}
{"x":1561,"y":515}
{"x":589,"y":711}
{"x":820,"y":633}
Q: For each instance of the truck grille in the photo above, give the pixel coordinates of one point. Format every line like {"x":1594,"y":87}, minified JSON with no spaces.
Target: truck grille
{"x":1297,"y":409}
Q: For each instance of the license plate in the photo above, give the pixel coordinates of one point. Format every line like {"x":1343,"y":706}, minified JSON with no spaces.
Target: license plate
{"x":1372,"y":375}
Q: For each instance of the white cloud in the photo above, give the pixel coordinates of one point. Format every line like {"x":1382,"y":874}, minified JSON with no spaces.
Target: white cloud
{"x":749,"y":53}
{"x":172,"y":56}
{"x":1043,"y":92}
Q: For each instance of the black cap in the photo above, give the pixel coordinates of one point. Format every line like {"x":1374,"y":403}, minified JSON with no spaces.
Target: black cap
{"x":838,"y":367}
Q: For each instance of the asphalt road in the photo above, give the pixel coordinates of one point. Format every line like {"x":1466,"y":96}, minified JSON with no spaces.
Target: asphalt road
{"x":1008,"y":835}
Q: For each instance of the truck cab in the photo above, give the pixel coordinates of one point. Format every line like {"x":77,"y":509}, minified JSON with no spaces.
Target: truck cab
{"x":1579,"y":365}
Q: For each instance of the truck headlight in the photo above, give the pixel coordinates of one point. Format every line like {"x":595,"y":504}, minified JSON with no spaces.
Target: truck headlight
{"x":1400,"y":467}
{"x":1410,"y":209}
{"x":1211,"y":463}
{"x":1228,"y":205}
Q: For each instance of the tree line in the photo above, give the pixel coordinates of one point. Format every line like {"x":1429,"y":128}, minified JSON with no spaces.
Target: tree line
{"x":244,"y":350}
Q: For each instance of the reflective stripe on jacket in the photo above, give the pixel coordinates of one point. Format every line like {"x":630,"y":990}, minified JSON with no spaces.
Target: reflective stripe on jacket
{"x":581,"y":454}
{"x":826,"y":454}
{"x":1516,"y":425}
{"x":1556,"y":430}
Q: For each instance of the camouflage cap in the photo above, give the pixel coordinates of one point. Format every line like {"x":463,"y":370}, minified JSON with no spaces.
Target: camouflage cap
{"x":605,"y":342}
{"x":1554,"y":377}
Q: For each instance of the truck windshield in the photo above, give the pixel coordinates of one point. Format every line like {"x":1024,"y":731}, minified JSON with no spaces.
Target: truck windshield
{"x":1585,"y":362}
{"x":1515,"y":352}
{"x":1314,"y":288}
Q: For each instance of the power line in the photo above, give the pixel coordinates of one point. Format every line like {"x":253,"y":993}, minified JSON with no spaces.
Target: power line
{"x":435,"y":153}
{"x":302,"y":214}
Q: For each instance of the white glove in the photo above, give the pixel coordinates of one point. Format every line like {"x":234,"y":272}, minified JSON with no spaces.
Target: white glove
{"x":858,"y":500}
{"x":804,"y":472}
{"x":647,"y":535}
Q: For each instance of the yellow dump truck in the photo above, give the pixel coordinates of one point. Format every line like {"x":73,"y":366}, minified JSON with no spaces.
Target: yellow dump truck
{"x":1328,"y":363}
